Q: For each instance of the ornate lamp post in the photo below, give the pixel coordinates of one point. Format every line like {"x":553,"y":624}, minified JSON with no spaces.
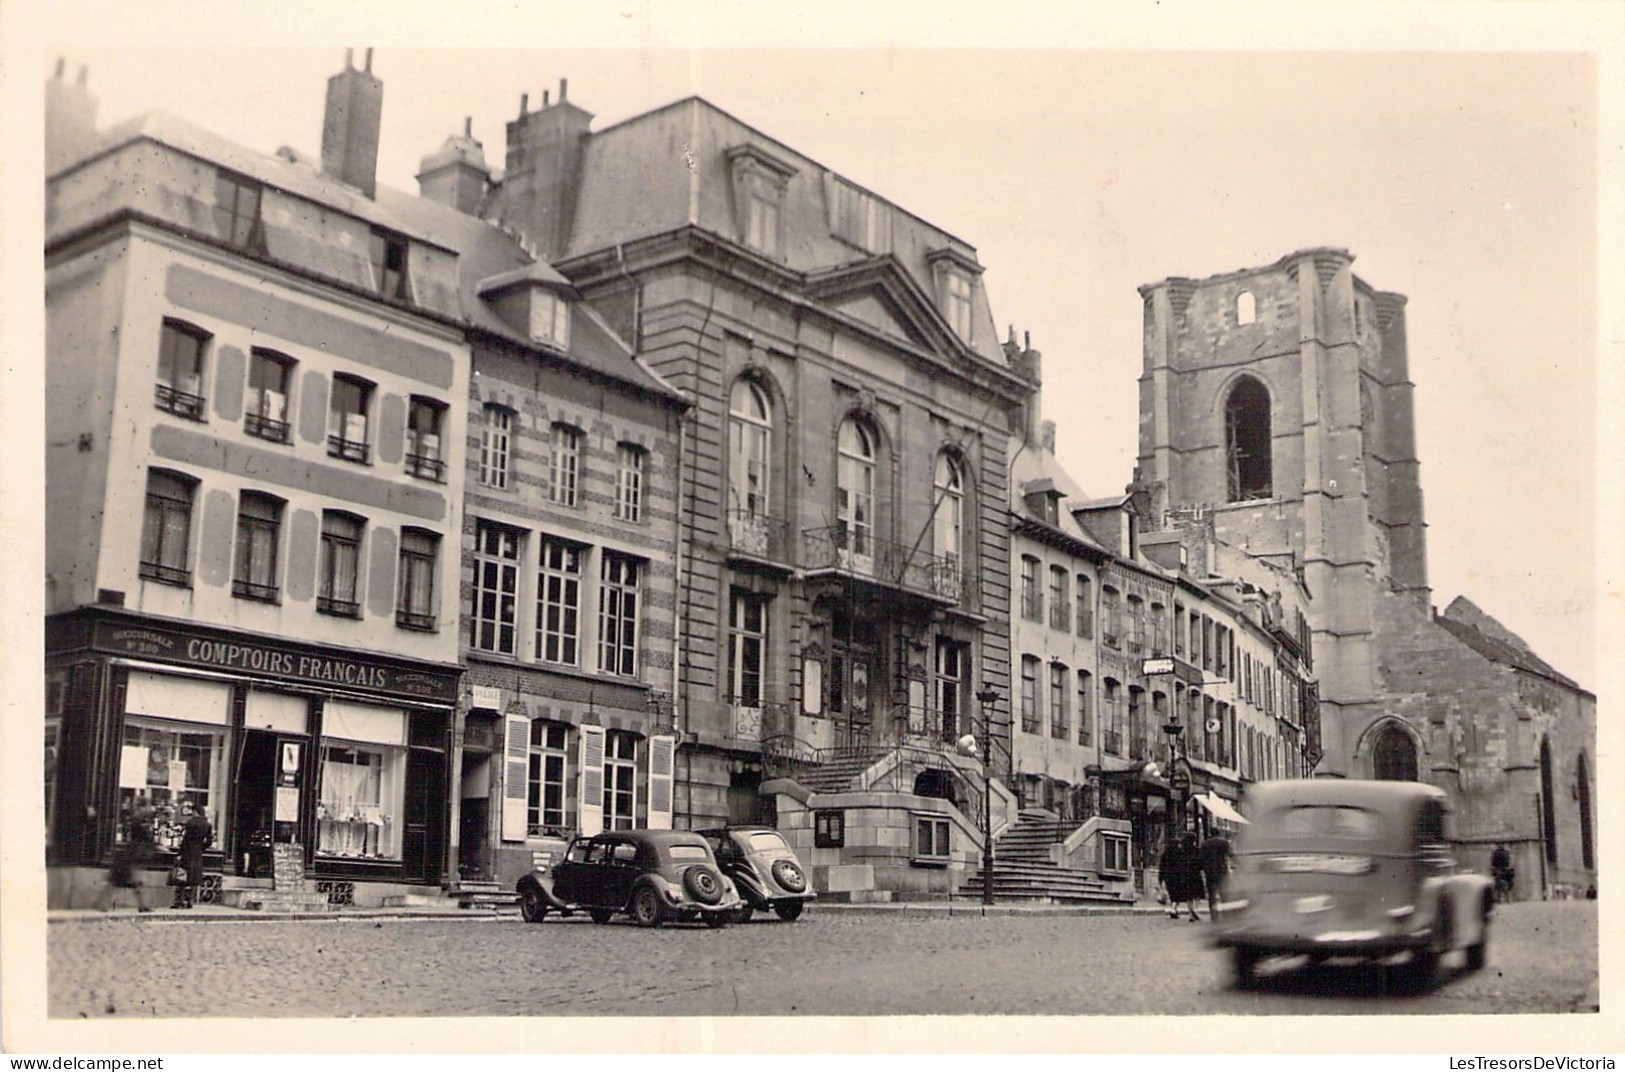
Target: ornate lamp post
{"x":1178,"y":772}
{"x":987,"y":697}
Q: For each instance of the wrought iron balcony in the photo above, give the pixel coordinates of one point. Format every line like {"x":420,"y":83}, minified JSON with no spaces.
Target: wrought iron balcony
{"x":943,"y":579}
{"x":754,"y":723}
{"x":759,"y":536}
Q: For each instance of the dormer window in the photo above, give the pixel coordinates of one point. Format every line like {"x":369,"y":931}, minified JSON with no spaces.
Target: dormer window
{"x":956,"y":274}
{"x":759,"y":182}
{"x":389,"y":267}
{"x":549,"y":319}
{"x":237,"y":211}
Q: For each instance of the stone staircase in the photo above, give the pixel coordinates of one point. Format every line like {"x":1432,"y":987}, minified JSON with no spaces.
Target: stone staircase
{"x":1023,"y":871}
{"x":269,"y":900}
{"x":836,"y":775}
{"x":473,"y":893}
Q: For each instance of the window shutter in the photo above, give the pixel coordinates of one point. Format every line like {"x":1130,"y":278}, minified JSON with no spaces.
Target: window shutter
{"x":661,"y":753}
{"x":590,"y":805}
{"x":515,"y":772}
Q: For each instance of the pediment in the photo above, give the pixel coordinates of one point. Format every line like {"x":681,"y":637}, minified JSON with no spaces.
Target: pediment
{"x":878,"y":312}
{"x":879,"y":294}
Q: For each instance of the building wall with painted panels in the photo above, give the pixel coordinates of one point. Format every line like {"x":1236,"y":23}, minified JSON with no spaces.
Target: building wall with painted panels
{"x":239,"y":312}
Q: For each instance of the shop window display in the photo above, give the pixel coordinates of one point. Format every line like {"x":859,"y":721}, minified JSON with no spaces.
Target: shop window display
{"x":358,"y":814}
{"x":163,"y":768}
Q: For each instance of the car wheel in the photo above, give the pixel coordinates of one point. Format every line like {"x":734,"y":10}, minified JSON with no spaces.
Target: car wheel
{"x":703,"y":884}
{"x":647,"y":911}
{"x":743,"y":913}
{"x":600,"y":915}
{"x":717,"y":920}
{"x":532,"y":909}
{"x":788,"y":875}
{"x":1425,"y":961}
{"x":788,"y":910}
{"x":1244,"y":965}
{"x":1478,"y":952}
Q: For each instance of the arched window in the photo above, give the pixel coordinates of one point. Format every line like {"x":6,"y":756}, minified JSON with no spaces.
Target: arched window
{"x":1246,"y":308}
{"x":1582,"y":789}
{"x":750,"y":441}
{"x":950,"y":510}
{"x":1548,"y":806}
{"x":1247,"y":441}
{"x":1393,"y":756}
{"x":855,"y":487}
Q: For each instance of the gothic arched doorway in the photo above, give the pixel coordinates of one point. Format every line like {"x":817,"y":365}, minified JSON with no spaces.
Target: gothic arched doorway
{"x":1548,"y":807}
{"x":1393,"y":755}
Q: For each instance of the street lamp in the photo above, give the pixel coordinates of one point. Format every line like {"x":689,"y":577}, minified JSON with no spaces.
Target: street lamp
{"x":1175,"y":771}
{"x":987,"y":697}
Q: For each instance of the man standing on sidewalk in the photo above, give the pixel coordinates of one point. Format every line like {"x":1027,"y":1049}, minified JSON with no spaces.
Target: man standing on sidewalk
{"x":1215,"y":854}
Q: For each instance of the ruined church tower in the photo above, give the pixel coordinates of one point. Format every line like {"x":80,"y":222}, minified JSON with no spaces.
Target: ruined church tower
{"x":1277,"y":400}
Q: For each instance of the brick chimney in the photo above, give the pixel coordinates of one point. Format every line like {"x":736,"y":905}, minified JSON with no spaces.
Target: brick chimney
{"x":70,"y":119}
{"x":1029,"y":363}
{"x":355,"y":110}
{"x":542,"y":173}
{"x":457,"y":174}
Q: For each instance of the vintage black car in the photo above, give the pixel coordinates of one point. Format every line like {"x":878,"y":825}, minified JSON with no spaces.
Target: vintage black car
{"x":1339,"y":868}
{"x":764,"y":869}
{"x":654,"y":876}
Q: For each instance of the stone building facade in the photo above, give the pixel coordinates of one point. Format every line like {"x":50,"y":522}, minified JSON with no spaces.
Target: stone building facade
{"x":1277,"y":402}
{"x":842,"y":575}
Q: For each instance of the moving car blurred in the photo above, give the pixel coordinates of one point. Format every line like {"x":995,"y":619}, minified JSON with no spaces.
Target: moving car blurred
{"x":654,"y":876}
{"x":1333,"y":868}
{"x":764,"y":869}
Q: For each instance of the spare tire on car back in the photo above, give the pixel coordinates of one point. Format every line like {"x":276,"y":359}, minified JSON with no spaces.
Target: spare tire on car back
{"x":703,"y":884}
{"x":788,"y":875}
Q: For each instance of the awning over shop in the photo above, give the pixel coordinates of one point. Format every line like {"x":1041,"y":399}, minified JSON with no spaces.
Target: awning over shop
{"x":1220,"y":808}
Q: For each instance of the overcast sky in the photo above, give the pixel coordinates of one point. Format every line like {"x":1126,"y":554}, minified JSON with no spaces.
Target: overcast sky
{"x":1465,"y":181}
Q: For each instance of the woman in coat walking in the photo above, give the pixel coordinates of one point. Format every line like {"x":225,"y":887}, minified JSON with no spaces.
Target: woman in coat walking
{"x":196,"y":836}
{"x":1189,"y":866}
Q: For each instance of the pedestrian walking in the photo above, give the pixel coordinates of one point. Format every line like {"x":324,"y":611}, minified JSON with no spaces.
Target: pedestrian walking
{"x":1188,"y":868}
{"x":1168,"y":869}
{"x":1502,"y":871}
{"x":128,"y":868}
{"x":1215,"y":862}
{"x":196,"y":836}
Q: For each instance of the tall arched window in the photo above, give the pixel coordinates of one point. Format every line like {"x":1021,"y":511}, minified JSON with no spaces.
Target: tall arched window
{"x":1247,"y":441}
{"x":855,"y":487}
{"x":750,"y":441}
{"x":1246,"y":307}
{"x":1548,"y":806}
{"x":950,"y":510}
{"x":1393,"y":756}
{"x":1582,"y":789}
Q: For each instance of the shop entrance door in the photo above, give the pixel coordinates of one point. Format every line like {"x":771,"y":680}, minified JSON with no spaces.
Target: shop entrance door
{"x":269,"y":798}
{"x":423,"y":842}
{"x":474,"y":818}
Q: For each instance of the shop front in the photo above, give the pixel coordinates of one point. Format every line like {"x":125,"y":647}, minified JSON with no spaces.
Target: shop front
{"x":341,"y":756}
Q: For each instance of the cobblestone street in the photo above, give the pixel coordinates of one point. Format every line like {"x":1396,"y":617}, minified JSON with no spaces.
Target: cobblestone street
{"x":832,"y":962}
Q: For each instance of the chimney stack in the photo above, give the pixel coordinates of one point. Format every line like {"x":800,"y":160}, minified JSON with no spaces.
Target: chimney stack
{"x":456,"y":175}
{"x":350,"y":126}
{"x":70,"y":118}
{"x":542,"y":172}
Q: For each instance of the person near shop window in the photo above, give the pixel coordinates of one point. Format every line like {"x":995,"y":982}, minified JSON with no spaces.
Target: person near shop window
{"x":128,"y":869}
{"x":196,"y":836}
